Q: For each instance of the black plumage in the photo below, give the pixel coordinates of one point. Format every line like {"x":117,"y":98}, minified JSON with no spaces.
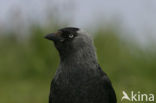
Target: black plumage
{"x":79,"y":78}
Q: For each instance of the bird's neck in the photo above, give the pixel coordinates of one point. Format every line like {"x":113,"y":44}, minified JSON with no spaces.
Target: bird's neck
{"x":84,"y":57}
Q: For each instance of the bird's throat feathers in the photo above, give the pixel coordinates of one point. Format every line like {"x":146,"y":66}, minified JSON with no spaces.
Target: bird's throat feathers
{"x":85,"y":56}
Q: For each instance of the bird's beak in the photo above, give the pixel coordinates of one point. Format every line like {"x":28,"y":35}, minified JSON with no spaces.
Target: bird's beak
{"x":52,"y":36}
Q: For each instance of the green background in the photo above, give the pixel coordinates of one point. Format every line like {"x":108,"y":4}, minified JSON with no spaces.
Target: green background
{"x":27,"y":64}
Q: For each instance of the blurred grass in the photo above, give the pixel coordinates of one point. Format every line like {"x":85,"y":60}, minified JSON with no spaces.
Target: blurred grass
{"x":28,"y":65}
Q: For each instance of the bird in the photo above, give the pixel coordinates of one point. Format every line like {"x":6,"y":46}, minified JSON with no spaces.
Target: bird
{"x":78,"y":78}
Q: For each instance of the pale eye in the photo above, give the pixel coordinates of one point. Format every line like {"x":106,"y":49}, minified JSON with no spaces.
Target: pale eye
{"x":71,"y":35}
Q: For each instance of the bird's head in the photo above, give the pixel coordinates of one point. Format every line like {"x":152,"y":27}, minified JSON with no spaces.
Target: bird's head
{"x":70,"y":40}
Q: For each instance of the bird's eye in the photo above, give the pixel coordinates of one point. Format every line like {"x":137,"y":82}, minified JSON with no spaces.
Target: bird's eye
{"x":71,"y":36}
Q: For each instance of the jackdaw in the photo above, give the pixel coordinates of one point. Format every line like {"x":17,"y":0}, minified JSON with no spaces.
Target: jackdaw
{"x":79,"y":78}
